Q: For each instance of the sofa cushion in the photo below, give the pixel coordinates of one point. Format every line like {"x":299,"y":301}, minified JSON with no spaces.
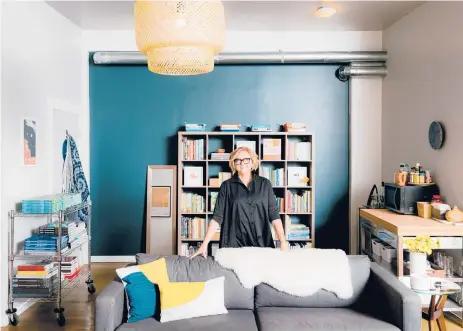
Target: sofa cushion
{"x":267,"y":296}
{"x":318,"y":319}
{"x":199,"y":269}
{"x":235,"y":320}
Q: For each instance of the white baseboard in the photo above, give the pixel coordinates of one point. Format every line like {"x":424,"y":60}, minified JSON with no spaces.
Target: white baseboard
{"x":121,"y":258}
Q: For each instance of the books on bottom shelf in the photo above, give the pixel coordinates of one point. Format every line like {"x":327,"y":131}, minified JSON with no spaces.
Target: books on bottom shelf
{"x":188,"y":249}
{"x":297,"y":231}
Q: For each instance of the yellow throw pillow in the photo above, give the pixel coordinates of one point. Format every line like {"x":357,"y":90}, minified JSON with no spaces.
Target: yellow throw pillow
{"x":182,"y":300}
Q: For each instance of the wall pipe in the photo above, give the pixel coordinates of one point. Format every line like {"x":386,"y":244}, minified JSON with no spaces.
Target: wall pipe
{"x":362,"y":63}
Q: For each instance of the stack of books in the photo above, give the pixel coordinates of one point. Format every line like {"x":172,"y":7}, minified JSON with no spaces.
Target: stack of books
{"x":295,"y":127}
{"x":220,"y":156}
{"x":296,"y":231}
{"x":230,"y":127}
{"x":50,"y":204}
{"x":35,"y":280}
{"x":70,"y":267}
{"x":299,"y":150}
{"x":76,"y":231}
{"x":44,"y":244}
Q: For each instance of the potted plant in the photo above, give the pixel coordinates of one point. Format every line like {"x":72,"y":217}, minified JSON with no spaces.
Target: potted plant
{"x":419,"y":248}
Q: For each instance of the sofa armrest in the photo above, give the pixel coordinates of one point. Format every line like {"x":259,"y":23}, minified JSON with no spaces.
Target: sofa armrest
{"x":110,"y":307}
{"x":390,"y":300}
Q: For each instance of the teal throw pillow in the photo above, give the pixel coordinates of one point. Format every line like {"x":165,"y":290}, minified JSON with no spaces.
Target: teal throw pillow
{"x":141,"y":295}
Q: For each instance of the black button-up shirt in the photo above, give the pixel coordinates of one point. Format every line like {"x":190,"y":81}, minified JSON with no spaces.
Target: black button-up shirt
{"x":245,"y":213}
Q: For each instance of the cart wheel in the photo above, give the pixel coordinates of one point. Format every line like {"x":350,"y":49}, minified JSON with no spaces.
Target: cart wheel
{"x":61,"y":320}
{"x":91,"y":288}
{"x":14,"y":319}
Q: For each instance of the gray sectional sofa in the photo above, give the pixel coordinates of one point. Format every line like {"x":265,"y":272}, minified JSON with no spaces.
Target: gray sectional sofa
{"x":380,"y":303}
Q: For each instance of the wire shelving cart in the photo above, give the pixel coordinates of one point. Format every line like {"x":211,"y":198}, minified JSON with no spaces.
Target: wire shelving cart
{"x":58,"y":289}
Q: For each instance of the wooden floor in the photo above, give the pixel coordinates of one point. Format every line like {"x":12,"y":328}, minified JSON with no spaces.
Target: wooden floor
{"x":79,"y":307}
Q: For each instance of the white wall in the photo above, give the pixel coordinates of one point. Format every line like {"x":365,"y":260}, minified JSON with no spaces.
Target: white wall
{"x":425,"y":84}
{"x":365,"y":93}
{"x":41,"y":79}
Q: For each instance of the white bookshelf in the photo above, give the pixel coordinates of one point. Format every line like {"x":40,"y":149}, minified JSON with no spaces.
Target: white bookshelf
{"x":211,"y":141}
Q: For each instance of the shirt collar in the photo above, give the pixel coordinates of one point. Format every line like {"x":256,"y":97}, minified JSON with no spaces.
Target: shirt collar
{"x":236,"y":179}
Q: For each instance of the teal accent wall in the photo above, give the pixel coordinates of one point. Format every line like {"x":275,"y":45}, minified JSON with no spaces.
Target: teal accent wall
{"x":135,"y":116}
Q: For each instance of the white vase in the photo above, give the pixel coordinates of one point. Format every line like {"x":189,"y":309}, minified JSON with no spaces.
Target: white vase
{"x":418,"y":263}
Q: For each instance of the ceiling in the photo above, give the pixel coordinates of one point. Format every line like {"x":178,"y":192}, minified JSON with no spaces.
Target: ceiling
{"x":253,"y":15}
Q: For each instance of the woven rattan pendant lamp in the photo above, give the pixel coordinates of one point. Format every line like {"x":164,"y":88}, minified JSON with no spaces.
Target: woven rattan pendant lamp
{"x":179,"y":38}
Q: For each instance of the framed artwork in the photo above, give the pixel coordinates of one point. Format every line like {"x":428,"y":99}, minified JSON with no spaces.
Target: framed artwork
{"x":160,"y":201}
{"x":29,"y":141}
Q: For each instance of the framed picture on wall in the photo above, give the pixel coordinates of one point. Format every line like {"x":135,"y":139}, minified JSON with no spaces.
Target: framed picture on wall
{"x":160,"y":201}
{"x":29,"y":141}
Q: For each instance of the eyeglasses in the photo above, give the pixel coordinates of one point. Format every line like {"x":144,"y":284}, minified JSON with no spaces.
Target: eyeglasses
{"x":242,"y":161}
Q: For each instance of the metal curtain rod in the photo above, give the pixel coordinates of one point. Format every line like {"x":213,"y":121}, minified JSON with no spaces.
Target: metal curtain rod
{"x":361,"y":63}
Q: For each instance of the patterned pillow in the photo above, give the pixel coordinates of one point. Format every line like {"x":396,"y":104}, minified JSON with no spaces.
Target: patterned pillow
{"x":182,"y":300}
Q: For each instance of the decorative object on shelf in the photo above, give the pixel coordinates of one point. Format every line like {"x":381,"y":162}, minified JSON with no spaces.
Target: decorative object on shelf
{"x":195,"y":127}
{"x":455,"y":215}
{"x":419,"y":248}
{"x":436,"y":135}
{"x":180,"y":38}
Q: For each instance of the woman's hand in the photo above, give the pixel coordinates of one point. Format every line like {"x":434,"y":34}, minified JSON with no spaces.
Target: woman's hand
{"x":202,"y":250}
{"x":284,"y":246}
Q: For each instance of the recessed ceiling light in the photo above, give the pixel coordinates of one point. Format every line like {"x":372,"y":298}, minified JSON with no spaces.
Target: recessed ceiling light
{"x":325,"y":11}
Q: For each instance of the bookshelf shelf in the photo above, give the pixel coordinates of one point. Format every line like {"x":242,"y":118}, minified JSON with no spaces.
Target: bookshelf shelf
{"x":278,"y":154}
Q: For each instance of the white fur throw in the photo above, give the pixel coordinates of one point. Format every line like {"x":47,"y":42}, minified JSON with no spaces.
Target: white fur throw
{"x":300,"y":272}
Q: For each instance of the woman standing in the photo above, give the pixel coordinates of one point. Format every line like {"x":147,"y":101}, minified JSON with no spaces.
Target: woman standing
{"x":246,"y":208}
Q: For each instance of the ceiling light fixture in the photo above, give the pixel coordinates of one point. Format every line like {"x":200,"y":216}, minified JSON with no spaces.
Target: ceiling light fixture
{"x":179,"y":37}
{"x":325,"y":11}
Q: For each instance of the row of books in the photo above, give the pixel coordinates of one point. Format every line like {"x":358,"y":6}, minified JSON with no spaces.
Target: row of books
{"x":188,"y":249}
{"x":296,"y":245}
{"x":193,"y":149}
{"x":193,"y":203}
{"x":297,"y":203}
{"x":276,"y":176}
{"x":193,"y":228}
